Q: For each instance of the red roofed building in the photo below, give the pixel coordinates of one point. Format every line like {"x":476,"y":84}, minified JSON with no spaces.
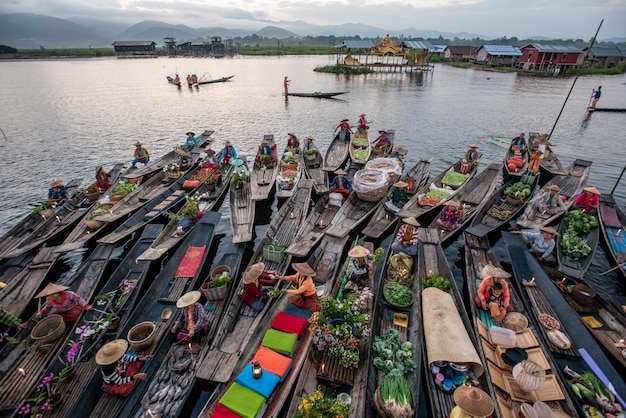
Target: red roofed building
{"x":549,"y":57}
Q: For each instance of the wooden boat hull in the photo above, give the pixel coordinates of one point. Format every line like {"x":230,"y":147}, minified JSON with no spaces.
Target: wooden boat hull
{"x":352,"y":213}
{"x":313,"y":170}
{"x":571,"y":186}
{"x":286,"y":186}
{"x":242,"y":210}
{"x":576,"y":268}
{"x":318,"y":94}
{"x":312,"y":230}
{"x":473,"y":197}
{"x":613,"y":230}
{"x":336,"y":154}
{"x":216,"y":80}
{"x":368,"y":149}
{"x":517,"y":173}
{"x":383,"y":218}
{"x":262,"y":178}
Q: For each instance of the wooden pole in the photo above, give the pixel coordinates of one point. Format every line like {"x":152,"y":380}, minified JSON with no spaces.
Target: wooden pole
{"x":580,"y":69}
{"x":618,"y":179}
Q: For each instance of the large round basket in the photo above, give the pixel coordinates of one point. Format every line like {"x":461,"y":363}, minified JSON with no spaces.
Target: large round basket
{"x":142,"y":335}
{"x":92,"y":196}
{"x":93,"y":223}
{"x":513,"y":201}
{"x":48,"y":329}
{"x":219,"y":270}
{"x":583,"y":294}
{"x":395,"y":304}
{"x":529,"y":375}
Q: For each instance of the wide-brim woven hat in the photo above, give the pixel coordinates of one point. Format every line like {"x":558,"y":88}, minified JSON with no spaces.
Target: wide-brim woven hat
{"x":382,"y":132}
{"x":56,"y":183}
{"x":452,"y":203}
{"x":400,"y":149}
{"x":51,"y":289}
{"x":492,"y":271}
{"x":554,"y":187}
{"x":362,"y":114}
{"x":474,"y":401}
{"x":474,"y":146}
{"x":345,"y":120}
{"x":340,"y":171}
{"x":253,"y":272}
{"x":98,"y":168}
{"x":265,"y":142}
{"x":304,"y":268}
{"x":411,"y":221}
{"x":592,"y":190}
{"x":292,"y":134}
{"x":137,"y":144}
{"x":111,"y":352}
{"x":549,"y":230}
{"x":188,"y":298}
{"x":400,"y":184}
{"x":358,"y":251}
{"x":310,"y":138}
{"x":191,"y":133}
{"x":543,"y":139}
{"x":227,"y":143}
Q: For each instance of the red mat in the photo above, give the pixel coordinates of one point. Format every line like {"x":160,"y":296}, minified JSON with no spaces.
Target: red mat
{"x":222,"y":412}
{"x":289,"y":323}
{"x":191,"y":262}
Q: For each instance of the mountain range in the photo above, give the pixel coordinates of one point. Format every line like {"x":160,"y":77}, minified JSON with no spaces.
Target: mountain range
{"x":26,"y":30}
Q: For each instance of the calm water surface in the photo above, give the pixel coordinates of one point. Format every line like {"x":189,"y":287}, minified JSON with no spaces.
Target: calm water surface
{"x":62,"y":118}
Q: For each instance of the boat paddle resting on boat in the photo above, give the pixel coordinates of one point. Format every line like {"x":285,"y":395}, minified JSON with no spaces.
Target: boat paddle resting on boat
{"x":469,"y":201}
{"x":384,"y":217}
{"x":289,"y":175}
{"x":318,"y":94}
{"x":576,"y":243}
{"x":264,"y":170}
{"x":495,"y":340}
{"x":242,"y":207}
{"x":613,"y":224}
{"x":570,"y":184}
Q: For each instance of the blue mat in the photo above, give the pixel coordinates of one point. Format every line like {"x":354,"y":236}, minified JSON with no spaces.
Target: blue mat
{"x":299,"y":312}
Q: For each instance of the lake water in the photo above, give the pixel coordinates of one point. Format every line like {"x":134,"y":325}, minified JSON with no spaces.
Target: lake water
{"x":62,"y":118}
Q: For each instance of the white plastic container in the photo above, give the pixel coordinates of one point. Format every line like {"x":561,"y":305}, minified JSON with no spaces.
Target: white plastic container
{"x":502,"y":336}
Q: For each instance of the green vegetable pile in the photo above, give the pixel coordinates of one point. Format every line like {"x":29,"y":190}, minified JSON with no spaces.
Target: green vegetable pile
{"x":102,"y":209}
{"x":396,"y":395}
{"x":438,"y":194}
{"x":573,"y":246}
{"x":438,"y":282}
{"x":454,"y":179}
{"x":361,"y":142}
{"x":124,"y":187}
{"x":519,"y":189}
{"x":360,"y":154}
{"x":393,"y":355}
{"x":592,"y":392}
{"x":397,"y":294}
{"x":290,"y":160}
{"x":580,"y":221}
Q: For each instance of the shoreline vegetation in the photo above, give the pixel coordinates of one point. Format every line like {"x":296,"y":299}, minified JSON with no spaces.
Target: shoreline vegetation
{"x":79,"y":53}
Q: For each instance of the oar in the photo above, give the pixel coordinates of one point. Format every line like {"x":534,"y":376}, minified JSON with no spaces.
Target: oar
{"x":615,"y":268}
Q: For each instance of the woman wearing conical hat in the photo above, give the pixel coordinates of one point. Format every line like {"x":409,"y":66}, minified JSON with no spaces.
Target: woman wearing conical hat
{"x":553,"y":202}
{"x":305,"y":294}
{"x":407,"y":237}
{"x":399,"y":196}
{"x":60,"y":301}
{"x":542,"y":242}
{"x":141,"y":155}
{"x":450,"y":216}
{"x":360,"y":265}
{"x":228,"y":153}
{"x":344,"y":130}
{"x":255,"y":295}
{"x":493,"y":293}
{"x":471,"y":159}
{"x":472,"y":402}
{"x":193,"y":321}
{"x":119,"y":370}
{"x":341,"y":184}
{"x":57,"y":193}
{"x":588,"y":200}
{"x":103,"y":179}
{"x":362,"y":125}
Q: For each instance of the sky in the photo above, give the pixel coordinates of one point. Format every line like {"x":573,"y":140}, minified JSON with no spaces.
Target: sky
{"x":567,"y":19}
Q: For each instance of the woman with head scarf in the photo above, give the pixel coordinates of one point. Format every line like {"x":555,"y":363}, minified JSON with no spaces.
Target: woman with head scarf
{"x":193,"y":321}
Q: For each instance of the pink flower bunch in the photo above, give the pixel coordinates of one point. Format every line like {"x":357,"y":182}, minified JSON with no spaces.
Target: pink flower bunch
{"x":46,"y":381}
{"x":73,"y":352}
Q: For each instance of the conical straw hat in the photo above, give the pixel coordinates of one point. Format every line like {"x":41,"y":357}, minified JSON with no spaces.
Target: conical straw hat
{"x":111,"y":352}
{"x":304,"y":268}
{"x":188,"y":298}
{"x":51,"y":289}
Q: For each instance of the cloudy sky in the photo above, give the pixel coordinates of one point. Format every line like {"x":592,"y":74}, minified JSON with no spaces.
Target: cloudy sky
{"x":521,"y":18}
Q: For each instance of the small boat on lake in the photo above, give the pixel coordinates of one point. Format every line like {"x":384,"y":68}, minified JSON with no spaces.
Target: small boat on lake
{"x":337,"y":153}
{"x":613,"y":224}
{"x":510,"y":168}
{"x":312,"y":160}
{"x":318,"y":94}
{"x":550,"y":163}
{"x":202,"y":81}
{"x":569,"y":247}
{"x":289,"y":175}
{"x":242,"y":210}
{"x":312,"y":229}
{"x":360,"y":148}
{"x":263,"y":174}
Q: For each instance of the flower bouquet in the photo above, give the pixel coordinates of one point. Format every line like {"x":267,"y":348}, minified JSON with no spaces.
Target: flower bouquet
{"x":316,"y":405}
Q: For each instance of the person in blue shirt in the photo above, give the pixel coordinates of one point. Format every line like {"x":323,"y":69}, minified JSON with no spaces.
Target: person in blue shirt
{"x":341,"y":184}
{"x":140,"y":155}
{"x":265,"y":152}
{"x":57,"y":193}
{"x":228,"y":153}
{"x":596,"y":96}
{"x":191,"y":141}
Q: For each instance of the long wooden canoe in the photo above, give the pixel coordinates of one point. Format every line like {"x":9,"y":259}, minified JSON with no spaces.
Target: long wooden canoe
{"x":211,"y":197}
{"x":498,"y":211}
{"x":473,"y":198}
{"x":352,"y":213}
{"x":262,"y":177}
{"x":287,"y":185}
{"x":550,"y":163}
{"x":576,"y":268}
{"x":318,"y":94}
{"x":111,"y":299}
{"x":613,"y":224}
{"x":336,"y":154}
{"x":312,"y":229}
{"x":162,"y":293}
{"x":478,"y":254}
{"x":517,"y":173}
{"x":242,"y":210}
{"x":441,"y":340}
{"x":313,"y":170}
{"x":571,"y":185}
{"x":215,"y":80}
{"x":383,"y":218}
{"x":413,"y":207}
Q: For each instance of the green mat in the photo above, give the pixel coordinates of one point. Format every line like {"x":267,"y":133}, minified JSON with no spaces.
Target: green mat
{"x":243,"y":401}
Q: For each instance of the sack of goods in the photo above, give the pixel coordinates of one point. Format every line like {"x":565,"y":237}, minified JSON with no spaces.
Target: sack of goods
{"x":335,"y":199}
{"x":389,"y":165}
{"x":370,"y":185}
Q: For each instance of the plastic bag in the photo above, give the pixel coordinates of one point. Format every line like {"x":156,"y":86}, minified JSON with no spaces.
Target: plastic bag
{"x":389,"y":165}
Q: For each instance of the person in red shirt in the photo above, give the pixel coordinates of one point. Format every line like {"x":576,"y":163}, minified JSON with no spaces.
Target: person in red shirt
{"x":253,"y":294}
{"x":587,"y":201}
{"x":344,"y":130}
{"x":60,"y":301}
{"x":493,"y":293}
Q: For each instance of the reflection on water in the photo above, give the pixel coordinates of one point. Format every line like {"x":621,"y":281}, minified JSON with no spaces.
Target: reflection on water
{"x":62,"y":118}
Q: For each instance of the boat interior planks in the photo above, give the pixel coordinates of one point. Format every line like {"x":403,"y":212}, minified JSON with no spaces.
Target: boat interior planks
{"x":478,"y":254}
{"x":242,"y":210}
{"x":313,"y":170}
{"x":263,"y":176}
{"x":383,"y":218}
{"x":352,"y":213}
{"x":613,"y":223}
{"x":571,"y":185}
{"x":473,"y":197}
{"x":336,"y":154}
{"x":312,"y":230}
{"x":360,"y":148}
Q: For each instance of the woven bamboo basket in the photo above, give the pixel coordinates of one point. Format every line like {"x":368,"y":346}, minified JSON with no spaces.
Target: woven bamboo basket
{"x":93,"y":223}
{"x":142,"y":335}
{"x":48,"y":329}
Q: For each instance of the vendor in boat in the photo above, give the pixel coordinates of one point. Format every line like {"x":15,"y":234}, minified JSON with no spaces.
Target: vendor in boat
{"x":360,"y":265}
{"x":192,"y":322}
{"x":309,"y":146}
{"x":228,"y":153}
{"x":293,"y":145}
{"x":210,"y":161}
{"x":60,"y":301}
{"x":103,"y":179}
{"x":493,"y":293}
{"x":407,"y":237}
{"x":191,"y":141}
{"x":265,"y":152}
{"x":57,"y":193}
{"x":588,"y":200}
{"x":344,"y":130}
{"x":255,"y":295}
{"x":119,"y":370}
{"x":341,"y":184}
{"x":382,"y":144}
{"x":542,"y":242}
{"x":399,"y":196}
{"x":141,"y":155}
{"x":534,"y":161}
{"x":472,"y":402}
{"x":554,"y":202}
{"x":362,"y":124}
{"x":471,"y":159}
{"x":240,"y":173}
{"x":450,"y":216}
{"x":305,"y":293}
{"x":520,"y":143}
{"x":189,"y":80}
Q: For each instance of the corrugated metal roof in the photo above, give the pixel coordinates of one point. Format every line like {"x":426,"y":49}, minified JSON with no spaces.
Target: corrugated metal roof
{"x":356,"y":44}
{"x":438,"y":48}
{"x":503,"y":50}
{"x":460,"y":49}
{"x":418,"y":45}
{"x":555,"y":48}
{"x":132,"y":43}
{"x":607,"y":51}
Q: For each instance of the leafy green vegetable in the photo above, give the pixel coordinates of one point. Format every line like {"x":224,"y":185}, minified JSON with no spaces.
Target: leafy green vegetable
{"x":438,"y":194}
{"x":396,"y":388}
{"x":360,"y":154}
{"x":438,"y":282}
{"x":454,"y":179}
{"x":580,"y":221}
{"x":519,"y":189}
{"x":124,"y":187}
{"x":397,"y":294}
{"x":573,"y":246}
